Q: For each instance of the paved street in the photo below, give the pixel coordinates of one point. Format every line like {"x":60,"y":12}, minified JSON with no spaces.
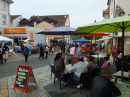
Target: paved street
{"x":41,"y":71}
{"x":9,"y":68}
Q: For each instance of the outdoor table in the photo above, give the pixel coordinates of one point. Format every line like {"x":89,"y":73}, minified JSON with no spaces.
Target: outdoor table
{"x":126,"y":74}
{"x":68,"y":67}
{"x":80,"y":55}
{"x":97,"y":56}
{"x":124,"y":88}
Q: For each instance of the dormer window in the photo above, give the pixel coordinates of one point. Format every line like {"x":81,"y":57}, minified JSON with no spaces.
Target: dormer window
{"x":4,"y":5}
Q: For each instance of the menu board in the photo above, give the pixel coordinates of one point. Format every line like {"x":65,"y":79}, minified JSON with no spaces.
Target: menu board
{"x":22,"y":75}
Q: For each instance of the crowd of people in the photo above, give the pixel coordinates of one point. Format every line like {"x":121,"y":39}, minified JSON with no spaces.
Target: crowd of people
{"x":79,"y":65}
{"x":3,"y":52}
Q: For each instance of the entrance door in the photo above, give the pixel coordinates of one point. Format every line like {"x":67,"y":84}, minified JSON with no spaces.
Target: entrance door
{"x":16,"y":40}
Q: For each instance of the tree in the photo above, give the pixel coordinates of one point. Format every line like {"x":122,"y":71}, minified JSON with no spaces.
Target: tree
{"x":73,"y":37}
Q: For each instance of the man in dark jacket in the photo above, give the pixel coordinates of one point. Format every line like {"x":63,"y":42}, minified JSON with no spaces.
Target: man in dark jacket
{"x":102,"y":86}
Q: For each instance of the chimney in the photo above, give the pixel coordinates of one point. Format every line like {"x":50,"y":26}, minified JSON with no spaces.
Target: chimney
{"x":65,"y":16}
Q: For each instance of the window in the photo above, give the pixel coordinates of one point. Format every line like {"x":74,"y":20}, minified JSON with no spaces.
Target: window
{"x":3,"y":5}
{"x":4,"y":20}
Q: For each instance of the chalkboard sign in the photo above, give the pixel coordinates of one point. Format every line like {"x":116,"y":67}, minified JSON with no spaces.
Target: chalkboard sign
{"x":23,"y":76}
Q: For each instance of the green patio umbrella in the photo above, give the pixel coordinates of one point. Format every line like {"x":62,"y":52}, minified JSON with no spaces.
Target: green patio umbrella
{"x":119,"y":24}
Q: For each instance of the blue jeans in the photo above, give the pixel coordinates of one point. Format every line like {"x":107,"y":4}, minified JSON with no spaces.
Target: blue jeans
{"x":76,"y":79}
{"x":30,"y":52}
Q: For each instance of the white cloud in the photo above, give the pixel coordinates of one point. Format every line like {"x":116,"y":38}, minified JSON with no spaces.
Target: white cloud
{"x":81,"y":12}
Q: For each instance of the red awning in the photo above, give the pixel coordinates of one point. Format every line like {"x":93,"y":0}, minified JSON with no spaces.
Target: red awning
{"x":95,"y":34}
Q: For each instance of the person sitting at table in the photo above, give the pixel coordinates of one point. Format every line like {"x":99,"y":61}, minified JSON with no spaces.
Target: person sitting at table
{"x":102,"y":86}
{"x":58,"y":55}
{"x":61,"y":67}
{"x":106,"y":63}
{"x":74,"y":60}
{"x":91,"y":64}
{"x":77,"y":69}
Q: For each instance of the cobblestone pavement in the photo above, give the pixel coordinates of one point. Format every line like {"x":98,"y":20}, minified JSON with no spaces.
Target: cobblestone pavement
{"x":42,"y":76}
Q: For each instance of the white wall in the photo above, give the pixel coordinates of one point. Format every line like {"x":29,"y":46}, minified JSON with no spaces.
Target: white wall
{"x":124,"y":5}
{"x":6,"y":13}
{"x":112,"y":9}
{"x":15,"y":22}
{"x":37,"y":37}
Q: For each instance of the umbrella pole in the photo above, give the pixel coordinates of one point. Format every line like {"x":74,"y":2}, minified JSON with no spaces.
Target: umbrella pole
{"x":91,"y":44}
{"x":122,"y":69}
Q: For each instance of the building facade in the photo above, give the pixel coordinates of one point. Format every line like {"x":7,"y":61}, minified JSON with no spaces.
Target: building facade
{"x":22,"y":33}
{"x":14,"y":20}
{"x":48,"y":22}
{"x":106,"y":13}
{"x":5,"y":13}
{"x":107,"y":40}
{"x":119,"y":8}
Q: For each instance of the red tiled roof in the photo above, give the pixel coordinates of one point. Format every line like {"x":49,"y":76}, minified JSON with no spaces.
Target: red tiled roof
{"x":107,"y":11}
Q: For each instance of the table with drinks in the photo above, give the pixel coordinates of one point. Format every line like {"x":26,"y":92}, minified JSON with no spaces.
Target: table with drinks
{"x":97,"y":56}
{"x":124,"y":86}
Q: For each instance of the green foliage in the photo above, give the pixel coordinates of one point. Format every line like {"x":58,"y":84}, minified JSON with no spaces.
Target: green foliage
{"x":73,"y":37}
{"x":90,"y":38}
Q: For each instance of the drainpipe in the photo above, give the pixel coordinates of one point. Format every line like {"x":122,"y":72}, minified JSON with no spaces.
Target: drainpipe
{"x":114,"y":10}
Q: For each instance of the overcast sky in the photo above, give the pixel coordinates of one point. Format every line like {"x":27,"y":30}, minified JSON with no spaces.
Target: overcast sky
{"x":81,"y":12}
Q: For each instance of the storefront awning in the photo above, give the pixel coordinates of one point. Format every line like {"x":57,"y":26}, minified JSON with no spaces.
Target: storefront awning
{"x":106,"y":38}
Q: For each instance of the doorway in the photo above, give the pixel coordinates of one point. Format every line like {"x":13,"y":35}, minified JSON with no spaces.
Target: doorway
{"x":16,"y":40}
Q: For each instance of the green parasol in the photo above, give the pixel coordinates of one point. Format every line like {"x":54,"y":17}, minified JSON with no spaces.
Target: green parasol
{"x":118,"y":24}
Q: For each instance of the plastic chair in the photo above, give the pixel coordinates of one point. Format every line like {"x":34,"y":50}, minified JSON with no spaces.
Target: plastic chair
{"x":51,"y":70}
{"x":118,"y":66}
{"x":57,"y":75}
{"x":95,"y":72}
{"x":84,"y":78}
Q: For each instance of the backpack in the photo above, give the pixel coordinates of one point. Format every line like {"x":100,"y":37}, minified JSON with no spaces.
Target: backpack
{"x":26,"y":51}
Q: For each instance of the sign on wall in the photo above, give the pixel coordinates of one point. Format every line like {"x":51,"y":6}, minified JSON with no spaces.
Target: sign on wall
{"x":14,"y":30}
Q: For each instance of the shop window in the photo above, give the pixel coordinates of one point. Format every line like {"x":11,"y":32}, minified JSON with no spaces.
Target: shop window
{"x":4,"y":5}
{"x":4,"y":20}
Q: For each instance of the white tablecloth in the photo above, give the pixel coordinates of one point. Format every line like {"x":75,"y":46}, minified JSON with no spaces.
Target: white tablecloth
{"x":124,"y":88}
{"x":97,"y":56}
{"x":119,"y":74}
{"x":68,"y":68}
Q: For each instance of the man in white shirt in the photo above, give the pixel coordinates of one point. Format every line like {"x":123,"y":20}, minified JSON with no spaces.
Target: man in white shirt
{"x":77,"y":69}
